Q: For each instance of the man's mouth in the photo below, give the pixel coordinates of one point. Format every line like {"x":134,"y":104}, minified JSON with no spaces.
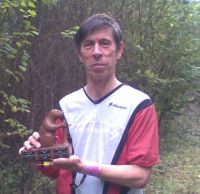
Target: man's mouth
{"x":97,"y":65}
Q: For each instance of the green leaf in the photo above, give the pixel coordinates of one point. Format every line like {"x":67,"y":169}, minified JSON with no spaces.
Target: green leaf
{"x":22,"y":11}
{"x":2,"y":111}
{"x":19,"y":76}
{"x":13,"y":100}
{"x":25,"y":42}
{"x":14,"y":109}
{"x":9,"y":72}
{"x":31,"y":4}
{"x":10,"y":49}
{"x":22,"y":68}
{"x":23,"y":101}
{"x":18,"y":44}
{"x":35,"y":33}
{"x":70,"y":33}
{"x":4,"y":5}
{"x":11,"y":122}
{"x":32,"y":12}
{"x":10,"y":56}
{"x":23,"y":4}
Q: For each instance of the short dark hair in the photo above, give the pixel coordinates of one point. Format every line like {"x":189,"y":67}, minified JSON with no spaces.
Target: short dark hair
{"x":96,"y":22}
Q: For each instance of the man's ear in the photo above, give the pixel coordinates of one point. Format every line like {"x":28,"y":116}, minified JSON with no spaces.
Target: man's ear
{"x":120,"y":50}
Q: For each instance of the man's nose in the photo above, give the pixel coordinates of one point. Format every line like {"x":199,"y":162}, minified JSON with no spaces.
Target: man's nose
{"x":97,"y":53}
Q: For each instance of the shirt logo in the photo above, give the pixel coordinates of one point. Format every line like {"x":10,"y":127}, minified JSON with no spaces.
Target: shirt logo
{"x":117,"y":106}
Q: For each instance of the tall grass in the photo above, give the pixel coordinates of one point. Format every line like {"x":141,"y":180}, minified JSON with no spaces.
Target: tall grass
{"x":179,"y":169}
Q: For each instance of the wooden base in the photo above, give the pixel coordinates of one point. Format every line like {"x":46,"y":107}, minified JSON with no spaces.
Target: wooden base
{"x":48,"y":153}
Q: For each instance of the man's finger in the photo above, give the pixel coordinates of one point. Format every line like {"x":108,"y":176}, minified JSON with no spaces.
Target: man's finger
{"x":36,"y":135}
{"x":21,"y":149}
{"x":32,"y":142}
{"x":27,"y":145}
{"x":61,"y":162}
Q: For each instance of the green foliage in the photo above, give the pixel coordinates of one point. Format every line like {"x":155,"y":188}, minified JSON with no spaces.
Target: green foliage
{"x":162,"y":52}
{"x":14,"y":40}
{"x":70,"y":33}
{"x":16,"y":32}
{"x":10,"y":177}
{"x":15,"y":175}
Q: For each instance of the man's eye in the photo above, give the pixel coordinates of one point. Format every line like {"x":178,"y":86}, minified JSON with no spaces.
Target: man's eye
{"x":87,"y":44}
{"x":105,"y":43}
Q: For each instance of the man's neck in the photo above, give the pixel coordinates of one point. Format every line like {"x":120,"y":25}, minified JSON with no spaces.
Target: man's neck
{"x":97,"y":89}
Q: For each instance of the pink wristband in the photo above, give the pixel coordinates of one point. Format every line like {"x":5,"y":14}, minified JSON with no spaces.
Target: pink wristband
{"x":92,"y":169}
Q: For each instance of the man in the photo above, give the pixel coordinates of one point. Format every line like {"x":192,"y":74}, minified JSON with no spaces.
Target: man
{"x":113,"y":126}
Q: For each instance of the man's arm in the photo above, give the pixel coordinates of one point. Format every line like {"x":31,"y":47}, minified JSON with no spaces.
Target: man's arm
{"x":126,"y":175}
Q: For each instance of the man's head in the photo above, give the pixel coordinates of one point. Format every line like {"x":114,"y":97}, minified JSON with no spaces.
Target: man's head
{"x":97,"y":22}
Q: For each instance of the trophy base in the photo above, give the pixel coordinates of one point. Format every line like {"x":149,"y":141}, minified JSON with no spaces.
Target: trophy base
{"x":48,"y":153}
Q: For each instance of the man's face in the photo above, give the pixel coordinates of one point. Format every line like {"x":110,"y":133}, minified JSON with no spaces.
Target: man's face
{"x":99,"y":54}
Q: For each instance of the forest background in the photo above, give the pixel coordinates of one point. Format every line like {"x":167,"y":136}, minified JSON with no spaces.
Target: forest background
{"x":38,"y":66}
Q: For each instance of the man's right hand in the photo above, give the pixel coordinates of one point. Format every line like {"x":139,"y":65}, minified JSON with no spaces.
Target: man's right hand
{"x":32,"y":142}
{"x":46,"y":135}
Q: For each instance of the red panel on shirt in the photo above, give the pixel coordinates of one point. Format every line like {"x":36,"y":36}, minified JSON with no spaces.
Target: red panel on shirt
{"x":142,"y":147}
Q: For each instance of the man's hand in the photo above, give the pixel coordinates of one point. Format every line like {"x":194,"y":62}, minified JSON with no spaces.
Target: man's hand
{"x":46,"y":140}
{"x":46,"y":135}
{"x":73,"y":163}
{"x":32,"y":142}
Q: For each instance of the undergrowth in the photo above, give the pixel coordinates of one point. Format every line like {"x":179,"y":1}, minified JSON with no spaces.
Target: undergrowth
{"x":179,"y":168}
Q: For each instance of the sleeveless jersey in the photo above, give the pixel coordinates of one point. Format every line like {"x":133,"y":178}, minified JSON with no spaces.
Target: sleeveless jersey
{"x":104,"y":131}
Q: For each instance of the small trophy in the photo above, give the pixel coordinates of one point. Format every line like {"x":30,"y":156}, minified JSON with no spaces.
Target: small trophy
{"x":50,"y":149}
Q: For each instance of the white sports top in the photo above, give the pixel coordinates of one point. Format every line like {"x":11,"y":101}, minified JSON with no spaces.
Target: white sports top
{"x":96,"y":128}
